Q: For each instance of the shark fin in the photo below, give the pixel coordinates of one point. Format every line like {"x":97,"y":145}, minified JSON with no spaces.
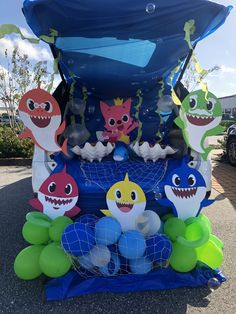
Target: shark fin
{"x":106,"y":212}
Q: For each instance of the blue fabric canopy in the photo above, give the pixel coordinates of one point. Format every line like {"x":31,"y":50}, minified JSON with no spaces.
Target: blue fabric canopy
{"x":117,"y":47}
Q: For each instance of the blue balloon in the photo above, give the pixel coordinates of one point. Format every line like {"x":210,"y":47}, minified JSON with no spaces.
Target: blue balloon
{"x":142,"y":265}
{"x":132,"y":244}
{"x":107,"y":231}
{"x":78,"y":239}
{"x":112,"y":267}
{"x":88,"y":219}
{"x":159,"y":248}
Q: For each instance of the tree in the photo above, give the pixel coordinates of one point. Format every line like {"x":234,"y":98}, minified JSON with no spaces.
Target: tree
{"x":19,"y":76}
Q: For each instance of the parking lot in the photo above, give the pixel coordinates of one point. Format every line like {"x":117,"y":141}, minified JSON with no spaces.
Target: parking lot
{"x":27,"y":297}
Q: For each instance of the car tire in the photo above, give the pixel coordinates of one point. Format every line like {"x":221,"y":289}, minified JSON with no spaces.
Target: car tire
{"x":231,"y":150}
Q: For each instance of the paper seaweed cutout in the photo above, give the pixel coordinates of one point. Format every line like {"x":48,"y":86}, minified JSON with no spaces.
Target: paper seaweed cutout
{"x":41,"y":116}
{"x":126,"y":201}
{"x":57,"y":196}
{"x":185,"y":191}
{"x":199,"y":117}
{"x":119,"y":122}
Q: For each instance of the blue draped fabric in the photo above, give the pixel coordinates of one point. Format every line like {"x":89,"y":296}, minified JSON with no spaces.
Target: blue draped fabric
{"x":72,"y":284}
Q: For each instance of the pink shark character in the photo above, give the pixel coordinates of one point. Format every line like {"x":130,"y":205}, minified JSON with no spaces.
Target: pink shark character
{"x":41,"y":116}
{"x":57,"y":196}
{"x":119,"y":122}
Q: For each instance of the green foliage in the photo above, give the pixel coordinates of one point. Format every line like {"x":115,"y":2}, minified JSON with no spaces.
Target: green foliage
{"x":11,"y":146}
{"x":227,"y":123}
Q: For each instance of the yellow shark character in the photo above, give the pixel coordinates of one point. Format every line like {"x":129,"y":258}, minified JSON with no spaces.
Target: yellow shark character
{"x":126,"y":201}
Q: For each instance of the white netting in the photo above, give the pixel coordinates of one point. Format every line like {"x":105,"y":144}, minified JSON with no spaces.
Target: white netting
{"x":98,"y":247}
{"x":105,"y":174}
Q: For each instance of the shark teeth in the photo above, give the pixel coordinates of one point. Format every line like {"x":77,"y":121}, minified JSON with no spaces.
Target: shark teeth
{"x":184,"y":192}
{"x":57,"y":200}
{"x":199,"y":120}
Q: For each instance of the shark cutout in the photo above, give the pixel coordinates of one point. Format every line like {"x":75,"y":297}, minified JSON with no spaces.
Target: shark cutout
{"x":185,"y":191}
{"x":199,"y":118}
{"x":41,"y":116}
{"x":126,"y":201}
{"x":57,"y":196}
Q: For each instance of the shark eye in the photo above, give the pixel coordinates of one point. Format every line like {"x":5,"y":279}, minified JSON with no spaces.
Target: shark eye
{"x":134,"y":195}
{"x":48,"y":106}
{"x":111,"y":122}
{"x":210,"y":104}
{"x":176,"y":180}
{"x":191,"y":180}
{"x":125,"y":118}
{"x":68,"y":189}
{"x":52,"y":187}
{"x":193,"y":101}
{"x":30,"y":104}
{"x":118,"y":194}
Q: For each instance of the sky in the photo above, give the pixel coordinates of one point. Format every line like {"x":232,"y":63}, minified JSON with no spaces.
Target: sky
{"x":217,"y":49}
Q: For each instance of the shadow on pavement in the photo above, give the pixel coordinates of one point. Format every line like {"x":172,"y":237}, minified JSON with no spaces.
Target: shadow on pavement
{"x":17,"y":296}
{"x":224,"y":180}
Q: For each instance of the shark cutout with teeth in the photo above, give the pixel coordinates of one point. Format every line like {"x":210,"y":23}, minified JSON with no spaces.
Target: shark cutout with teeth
{"x":199,"y":118}
{"x":57,"y":196}
{"x":185,"y":191}
{"x":126,"y":201}
{"x":41,"y":115}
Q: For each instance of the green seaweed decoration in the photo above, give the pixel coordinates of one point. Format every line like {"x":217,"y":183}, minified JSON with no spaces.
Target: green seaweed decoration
{"x":9,"y":29}
{"x":137,"y":110}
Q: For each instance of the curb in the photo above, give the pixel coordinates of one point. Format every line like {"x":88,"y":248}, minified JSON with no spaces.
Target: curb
{"x":15,"y":162}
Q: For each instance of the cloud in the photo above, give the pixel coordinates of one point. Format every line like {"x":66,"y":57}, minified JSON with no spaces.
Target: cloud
{"x":35,"y":52}
{"x":227,"y":69}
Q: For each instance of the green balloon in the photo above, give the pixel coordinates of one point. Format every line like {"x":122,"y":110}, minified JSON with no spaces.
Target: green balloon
{"x":35,"y":234}
{"x":217,"y":241}
{"x":26,"y":265}
{"x":197,"y":233}
{"x":53,"y":261}
{"x":183,"y":259}
{"x":205,"y":219}
{"x":39,"y":219}
{"x":210,"y":254}
{"x":174,"y":227}
{"x":166,"y":217}
{"x":57,"y":227}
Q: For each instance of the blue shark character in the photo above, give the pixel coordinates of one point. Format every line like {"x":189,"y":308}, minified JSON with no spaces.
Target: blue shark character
{"x":185,"y":190}
{"x":120,"y":152}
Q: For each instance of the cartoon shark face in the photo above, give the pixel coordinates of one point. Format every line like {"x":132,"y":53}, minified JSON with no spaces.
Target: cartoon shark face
{"x":126,"y":201}
{"x":200,"y":112}
{"x":38,"y":107}
{"x":40,"y":114}
{"x":202,"y":108}
{"x":185,"y":188}
{"x":58,"y":194}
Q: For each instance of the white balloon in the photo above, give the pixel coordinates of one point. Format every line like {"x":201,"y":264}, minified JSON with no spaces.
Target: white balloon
{"x":148,"y":223}
{"x":100,"y":255}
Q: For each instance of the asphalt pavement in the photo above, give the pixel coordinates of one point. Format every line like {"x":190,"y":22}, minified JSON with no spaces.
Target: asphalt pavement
{"x":17,"y":296}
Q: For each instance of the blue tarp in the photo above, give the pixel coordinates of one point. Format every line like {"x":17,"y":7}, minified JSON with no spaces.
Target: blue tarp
{"x":72,"y":285}
{"x":117,"y":47}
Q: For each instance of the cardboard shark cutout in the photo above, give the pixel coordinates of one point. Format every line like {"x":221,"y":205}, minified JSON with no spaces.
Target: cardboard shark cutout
{"x":57,"y":196}
{"x":185,"y":191}
{"x":199,"y":118}
{"x":41,"y":116}
{"x":126,"y":201}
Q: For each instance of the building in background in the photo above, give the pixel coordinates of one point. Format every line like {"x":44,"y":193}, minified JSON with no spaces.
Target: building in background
{"x":229,"y":107}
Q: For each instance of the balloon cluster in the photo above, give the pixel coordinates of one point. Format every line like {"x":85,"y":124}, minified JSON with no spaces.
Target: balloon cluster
{"x":45,"y":254}
{"x":100,"y":247}
{"x":193,"y":241}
